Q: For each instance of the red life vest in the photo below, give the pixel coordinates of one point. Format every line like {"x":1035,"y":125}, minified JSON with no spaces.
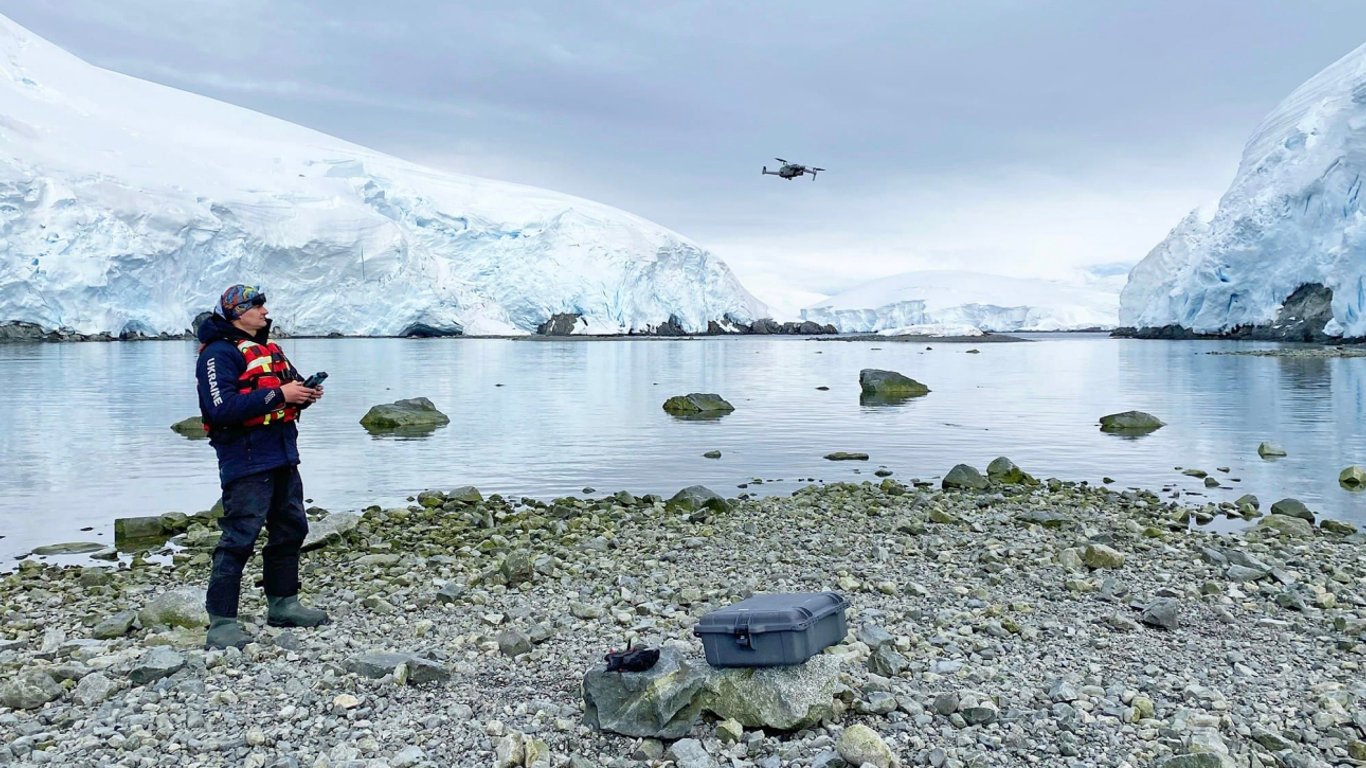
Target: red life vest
{"x":267,"y":368}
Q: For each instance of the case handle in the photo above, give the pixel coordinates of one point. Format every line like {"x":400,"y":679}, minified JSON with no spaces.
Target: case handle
{"x":742,"y":637}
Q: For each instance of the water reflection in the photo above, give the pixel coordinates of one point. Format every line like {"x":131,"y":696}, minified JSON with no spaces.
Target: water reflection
{"x":550,"y":418}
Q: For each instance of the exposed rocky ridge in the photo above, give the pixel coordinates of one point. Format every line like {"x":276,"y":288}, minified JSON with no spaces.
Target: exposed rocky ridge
{"x":1302,"y":317}
{"x":566,"y":324}
{"x":1055,"y":624}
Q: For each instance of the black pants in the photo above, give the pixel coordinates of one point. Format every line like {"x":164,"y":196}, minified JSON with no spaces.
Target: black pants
{"x":273,"y":499}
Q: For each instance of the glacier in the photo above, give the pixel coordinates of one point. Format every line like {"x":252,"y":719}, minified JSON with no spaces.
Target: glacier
{"x":964,"y":303}
{"x":126,"y":207}
{"x":1290,"y":220}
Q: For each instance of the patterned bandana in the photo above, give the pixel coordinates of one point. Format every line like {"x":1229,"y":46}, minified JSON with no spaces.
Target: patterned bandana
{"x":240,"y":298}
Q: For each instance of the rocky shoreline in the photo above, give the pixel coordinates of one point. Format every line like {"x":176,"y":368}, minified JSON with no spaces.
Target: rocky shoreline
{"x":1020,"y":623}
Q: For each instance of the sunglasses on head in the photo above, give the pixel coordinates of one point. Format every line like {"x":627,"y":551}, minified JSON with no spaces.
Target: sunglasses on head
{"x":257,"y":300}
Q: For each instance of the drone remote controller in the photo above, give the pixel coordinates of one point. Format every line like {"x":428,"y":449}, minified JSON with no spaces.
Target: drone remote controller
{"x":313,"y":381}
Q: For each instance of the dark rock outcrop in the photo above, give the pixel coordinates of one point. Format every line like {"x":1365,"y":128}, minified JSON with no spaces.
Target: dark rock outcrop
{"x":559,"y":324}
{"x":425,"y":331}
{"x":1302,"y":317}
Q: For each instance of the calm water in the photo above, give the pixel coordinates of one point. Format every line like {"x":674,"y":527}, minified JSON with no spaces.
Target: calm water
{"x":85,"y":438}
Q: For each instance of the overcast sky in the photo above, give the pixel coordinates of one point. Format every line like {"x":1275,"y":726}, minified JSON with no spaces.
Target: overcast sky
{"x":1021,"y":138}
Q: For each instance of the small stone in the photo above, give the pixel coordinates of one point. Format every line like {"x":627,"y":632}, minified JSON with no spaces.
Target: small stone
{"x":345,"y":701}
{"x":859,"y":744}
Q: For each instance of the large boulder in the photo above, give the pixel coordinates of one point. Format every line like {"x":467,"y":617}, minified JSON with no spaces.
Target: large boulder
{"x":889,"y":384}
{"x":413,"y":414}
{"x":661,"y":702}
{"x":147,"y":531}
{"x":666,"y":700}
{"x":964,"y":476}
{"x":180,"y":607}
{"x":1130,"y":423}
{"x":775,"y":698}
{"x":1284,"y":525}
{"x":414,"y":669}
{"x":698,"y":405}
{"x":330,"y":529}
{"x":1292,"y":508}
{"x":30,"y":689}
{"x":695,"y":498}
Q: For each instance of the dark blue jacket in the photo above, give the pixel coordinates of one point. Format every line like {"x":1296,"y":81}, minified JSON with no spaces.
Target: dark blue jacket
{"x":241,"y":450}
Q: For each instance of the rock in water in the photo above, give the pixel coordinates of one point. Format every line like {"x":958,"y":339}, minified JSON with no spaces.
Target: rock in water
{"x":698,"y":404}
{"x":415,"y":413}
{"x":1352,"y":478}
{"x":1292,"y":508}
{"x":1130,"y":422}
{"x":889,"y":384}
{"x":193,"y":428}
{"x":1269,"y":450}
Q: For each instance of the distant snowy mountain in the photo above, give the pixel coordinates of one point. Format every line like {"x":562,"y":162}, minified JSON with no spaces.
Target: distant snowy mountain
{"x":1291,"y":218}
{"x":127,"y":206}
{"x":947,"y":302}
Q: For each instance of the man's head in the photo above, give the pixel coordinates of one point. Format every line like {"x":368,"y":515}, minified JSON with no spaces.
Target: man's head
{"x":245,"y":307}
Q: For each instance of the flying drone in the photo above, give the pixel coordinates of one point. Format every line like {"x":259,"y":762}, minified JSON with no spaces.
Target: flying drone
{"x":791,"y":171}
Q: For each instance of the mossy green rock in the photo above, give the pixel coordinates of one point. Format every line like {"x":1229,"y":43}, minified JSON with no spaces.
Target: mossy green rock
{"x":131,"y":533}
{"x":1004,"y":471}
{"x":698,"y":405}
{"x":413,"y":413}
{"x":889,"y":384}
{"x":1352,"y":478}
{"x":1130,"y":422}
{"x":192,"y":428}
{"x":1338,"y":527}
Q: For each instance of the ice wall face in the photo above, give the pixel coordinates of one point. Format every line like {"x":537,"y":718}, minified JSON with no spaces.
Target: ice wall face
{"x":126,"y":206}
{"x":964,"y":301}
{"x":1292,"y":217}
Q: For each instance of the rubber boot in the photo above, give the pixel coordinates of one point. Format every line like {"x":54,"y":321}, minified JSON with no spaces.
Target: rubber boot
{"x":225,"y":632}
{"x":289,"y":612}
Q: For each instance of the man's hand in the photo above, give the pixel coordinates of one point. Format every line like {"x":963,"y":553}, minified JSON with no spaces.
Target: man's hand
{"x":296,"y":393}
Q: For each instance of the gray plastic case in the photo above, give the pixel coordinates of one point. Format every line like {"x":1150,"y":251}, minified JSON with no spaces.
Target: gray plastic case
{"x":770,"y":630}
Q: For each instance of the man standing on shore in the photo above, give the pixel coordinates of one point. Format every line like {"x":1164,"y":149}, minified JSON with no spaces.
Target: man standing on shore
{"x":250,"y":397}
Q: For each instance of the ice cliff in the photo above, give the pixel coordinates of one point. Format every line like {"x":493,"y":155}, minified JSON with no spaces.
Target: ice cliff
{"x":949,"y":302}
{"x":1292,"y":218}
{"x":126,"y":207}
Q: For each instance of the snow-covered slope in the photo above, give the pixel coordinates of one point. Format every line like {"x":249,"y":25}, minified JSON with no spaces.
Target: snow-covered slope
{"x":127,"y":206}
{"x":948,"y":301}
{"x":1291,"y":217}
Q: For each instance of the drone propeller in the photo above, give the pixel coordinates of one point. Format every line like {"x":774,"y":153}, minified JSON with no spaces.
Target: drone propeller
{"x":815,"y":169}
{"x":779,"y":159}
